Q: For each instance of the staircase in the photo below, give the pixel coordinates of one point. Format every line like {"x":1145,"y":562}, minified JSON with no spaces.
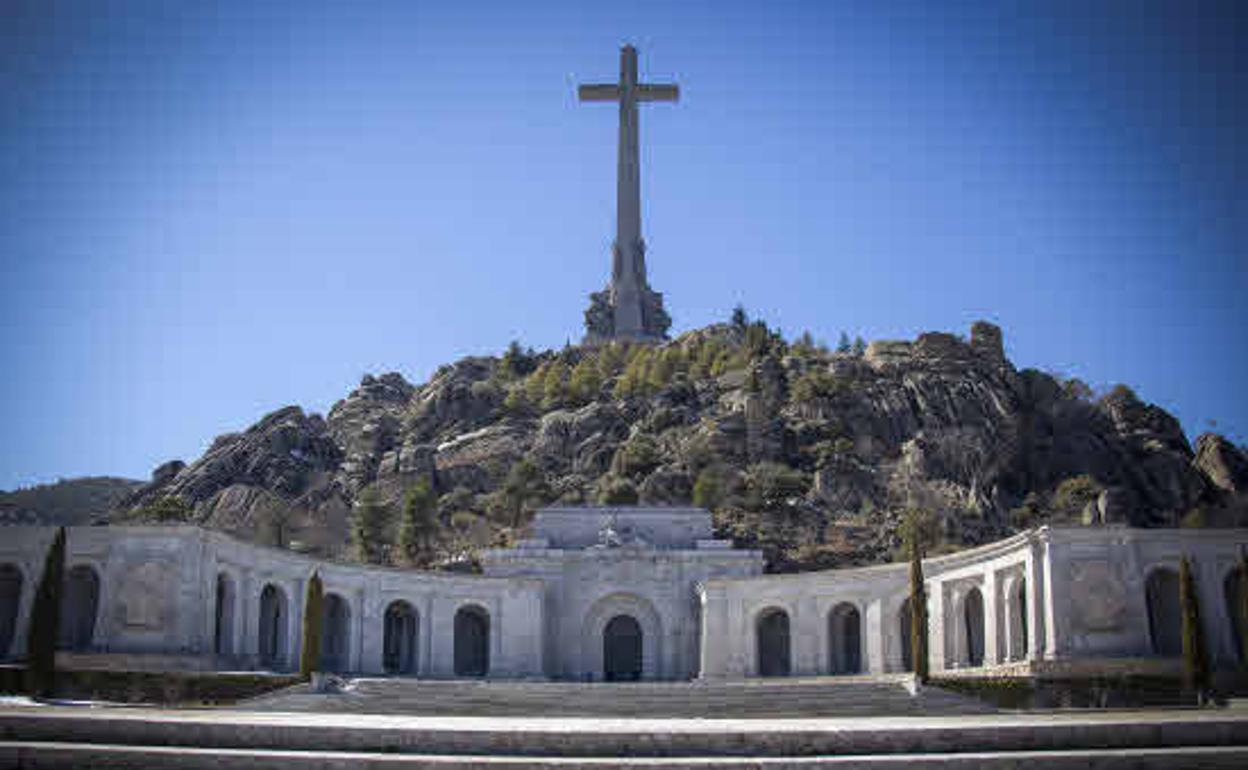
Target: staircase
{"x":751,"y":699}
{"x":74,"y":737}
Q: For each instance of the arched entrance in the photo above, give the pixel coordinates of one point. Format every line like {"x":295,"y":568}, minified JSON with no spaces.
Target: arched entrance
{"x":273,"y":614}
{"x":1016,"y":619}
{"x":844,"y":639}
{"x":223,"y":635}
{"x":472,"y":641}
{"x":773,"y":643}
{"x":399,"y":639}
{"x":622,"y":642}
{"x":973,"y":627}
{"x":1165,"y":621}
{"x":904,"y":621}
{"x":336,"y":634}
{"x":10,"y":602}
{"x":1235,"y":589}
{"x":79,"y":607}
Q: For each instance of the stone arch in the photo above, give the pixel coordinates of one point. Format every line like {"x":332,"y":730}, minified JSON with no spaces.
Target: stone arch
{"x":80,"y":606}
{"x":472,"y":641}
{"x":335,"y":634}
{"x":593,"y":634}
{"x":1165,"y":621}
{"x":774,"y":648}
{"x":904,"y":621}
{"x":1235,"y":592}
{"x":223,"y":615}
{"x":1016,"y":618}
{"x":274,"y":616}
{"x":972,"y":619}
{"x":401,"y":627}
{"x":11,"y":580}
{"x":845,"y":639}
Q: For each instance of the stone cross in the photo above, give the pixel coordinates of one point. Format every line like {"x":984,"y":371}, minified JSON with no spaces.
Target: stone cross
{"x":637,"y":311}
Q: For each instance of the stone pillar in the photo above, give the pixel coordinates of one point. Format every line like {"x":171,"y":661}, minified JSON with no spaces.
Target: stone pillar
{"x":873,"y":631}
{"x":936,"y":643}
{"x":992,"y":621}
{"x":1051,"y":649}
{"x":358,"y":615}
{"x":1036,"y":601}
{"x":294,"y":627}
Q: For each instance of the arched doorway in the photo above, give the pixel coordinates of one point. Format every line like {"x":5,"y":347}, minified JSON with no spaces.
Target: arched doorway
{"x":79,"y":606}
{"x":1016,"y":603}
{"x":973,"y":627}
{"x":223,"y":635}
{"x":472,"y":641}
{"x":845,"y":639}
{"x":273,"y":615}
{"x":336,"y":634}
{"x":1165,"y":620}
{"x":10,"y":602}
{"x":622,"y":643}
{"x":399,"y":639}
{"x":904,"y":621}
{"x":1235,"y":589}
{"x":773,"y":643}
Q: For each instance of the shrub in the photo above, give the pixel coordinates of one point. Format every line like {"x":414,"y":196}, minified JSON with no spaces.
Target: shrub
{"x":636,"y":457}
{"x":707,"y":491}
{"x":617,"y":491}
{"x":368,"y":526}
{"x":165,"y":509}
{"x":419,"y":526}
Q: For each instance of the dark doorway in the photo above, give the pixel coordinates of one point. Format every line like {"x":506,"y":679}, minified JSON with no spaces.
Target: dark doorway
{"x":1235,"y":588}
{"x":1165,"y":620}
{"x":973,"y":617}
{"x":621,"y":650}
{"x":223,"y":637}
{"x":79,"y":606}
{"x":336,"y":634}
{"x":845,"y":639}
{"x":773,"y":643}
{"x":399,"y":642}
{"x":472,"y":642}
{"x":272,"y":640}
{"x":10,"y":601}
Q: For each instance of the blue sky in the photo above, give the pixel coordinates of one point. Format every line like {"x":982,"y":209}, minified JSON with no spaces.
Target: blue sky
{"x":211,"y":210}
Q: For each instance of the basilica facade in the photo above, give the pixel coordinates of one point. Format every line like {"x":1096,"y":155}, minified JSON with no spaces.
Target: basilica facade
{"x":628,"y":593}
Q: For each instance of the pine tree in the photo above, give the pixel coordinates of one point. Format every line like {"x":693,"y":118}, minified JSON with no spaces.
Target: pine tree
{"x":418,"y":525}
{"x":739,"y":318}
{"x":585,"y":382}
{"x":45,"y":620}
{"x":706,"y":490}
{"x":523,"y":486}
{"x":860,"y":346}
{"x":313,"y":618}
{"x":843,"y":344}
{"x":368,"y":525}
{"x":1195,"y":657}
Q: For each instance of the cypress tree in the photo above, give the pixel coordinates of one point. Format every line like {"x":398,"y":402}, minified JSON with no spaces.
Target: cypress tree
{"x":918,"y":611}
{"x":313,"y":610}
{"x":1195,"y":660}
{"x":45,"y":620}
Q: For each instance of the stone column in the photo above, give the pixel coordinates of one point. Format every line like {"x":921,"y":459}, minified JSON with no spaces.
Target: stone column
{"x":873,"y":633}
{"x":936,"y":643}
{"x":1036,"y":600}
{"x":992,"y":619}
{"x":715,"y":639}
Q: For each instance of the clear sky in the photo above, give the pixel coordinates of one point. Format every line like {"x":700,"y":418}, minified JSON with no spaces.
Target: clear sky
{"x":211,"y":210}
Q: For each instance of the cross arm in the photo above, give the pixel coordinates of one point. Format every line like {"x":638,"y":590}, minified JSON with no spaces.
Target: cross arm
{"x":605,"y":92}
{"x":658,"y":93}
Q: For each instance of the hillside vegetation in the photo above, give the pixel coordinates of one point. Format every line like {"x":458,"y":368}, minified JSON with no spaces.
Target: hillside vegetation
{"x":811,"y":454}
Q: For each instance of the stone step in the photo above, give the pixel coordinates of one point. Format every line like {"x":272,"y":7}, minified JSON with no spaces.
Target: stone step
{"x":581,"y":739}
{"x":827,"y":696}
{"x":71,"y":756}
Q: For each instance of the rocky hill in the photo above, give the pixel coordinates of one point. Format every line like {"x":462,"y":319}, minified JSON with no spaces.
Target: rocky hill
{"x":811,"y":454}
{"x":70,"y":502}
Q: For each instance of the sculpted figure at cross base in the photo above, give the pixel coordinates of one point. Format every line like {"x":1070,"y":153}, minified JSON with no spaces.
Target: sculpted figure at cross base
{"x":628,"y":308}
